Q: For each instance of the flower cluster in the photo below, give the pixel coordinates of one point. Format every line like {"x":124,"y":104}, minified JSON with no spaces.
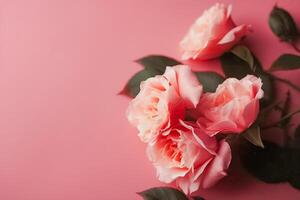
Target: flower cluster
{"x":187,"y":151}
{"x":179,"y":122}
{"x":187,"y":118}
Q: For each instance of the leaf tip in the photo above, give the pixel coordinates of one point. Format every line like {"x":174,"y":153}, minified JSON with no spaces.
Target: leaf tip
{"x":124,"y":92}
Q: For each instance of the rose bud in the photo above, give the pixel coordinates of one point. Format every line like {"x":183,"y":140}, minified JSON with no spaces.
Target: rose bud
{"x":283,"y":25}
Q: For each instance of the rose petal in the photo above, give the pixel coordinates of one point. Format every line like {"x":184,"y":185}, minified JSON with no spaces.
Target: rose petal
{"x":216,"y":169}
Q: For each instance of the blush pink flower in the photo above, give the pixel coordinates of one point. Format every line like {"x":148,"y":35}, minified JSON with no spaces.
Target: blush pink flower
{"x":189,"y":157}
{"x":232,"y":108}
{"x":163,"y":100}
{"x":212,"y":34}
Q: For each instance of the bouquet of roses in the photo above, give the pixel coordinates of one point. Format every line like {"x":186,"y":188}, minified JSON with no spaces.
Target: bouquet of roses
{"x":191,"y":120}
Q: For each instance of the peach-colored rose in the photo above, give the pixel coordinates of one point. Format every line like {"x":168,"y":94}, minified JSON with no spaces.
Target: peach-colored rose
{"x":189,"y":157}
{"x":232,"y":108}
{"x":163,"y":100}
{"x":212,"y":34}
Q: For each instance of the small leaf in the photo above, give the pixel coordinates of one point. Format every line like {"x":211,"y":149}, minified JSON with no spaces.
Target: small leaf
{"x":209,"y":80}
{"x":163,"y":193}
{"x":132,"y":88}
{"x":244,"y":53}
{"x":157,"y":62}
{"x":286,"y":62}
{"x":252,"y":134}
{"x":270,"y":164}
{"x":153,"y":65}
{"x":234,"y":66}
{"x":283,"y":25}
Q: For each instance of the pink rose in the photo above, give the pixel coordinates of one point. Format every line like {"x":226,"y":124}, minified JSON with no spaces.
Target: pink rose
{"x":163,"y":100}
{"x":232,"y":108}
{"x":212,"y":34}
{"x":189,"y":157}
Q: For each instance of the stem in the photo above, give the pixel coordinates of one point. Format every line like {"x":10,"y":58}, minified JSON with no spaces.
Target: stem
{"x":280,"y":120}
{"x":295,"y":47}
{"x":292,"y":85}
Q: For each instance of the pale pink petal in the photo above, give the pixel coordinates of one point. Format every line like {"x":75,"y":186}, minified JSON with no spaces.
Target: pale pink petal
{"x":190,"y":183}
{"x":189,"y":88}
{"x":232,"y":108}
{"x":168,"y":175}
{"x":235,"y":34}
{"x":208,"y":143}
{"x":251,"y":112}
{"x":216,"y":170}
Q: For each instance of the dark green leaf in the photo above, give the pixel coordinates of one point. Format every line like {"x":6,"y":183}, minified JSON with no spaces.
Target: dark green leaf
{"x":244,"y":53}
{"x":269,"y":164}
{"x":209,"y":80}
{"x":286,"y":62}
{"x":273,"y":164}
{"x":132,"y":88}
{"x":163,"y":193}
{"x":235,"y":67}
{"x":153,"y":65}
{"x":283,"y":25}
{"x":257,"y":66}
{"x":157,"y":62}
{"x":252,"y":134}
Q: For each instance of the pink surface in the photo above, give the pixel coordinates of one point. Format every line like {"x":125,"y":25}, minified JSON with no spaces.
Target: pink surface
{"x":63,"y":130}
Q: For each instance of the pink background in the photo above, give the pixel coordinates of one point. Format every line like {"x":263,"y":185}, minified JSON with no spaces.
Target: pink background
{"x":63,"y":130}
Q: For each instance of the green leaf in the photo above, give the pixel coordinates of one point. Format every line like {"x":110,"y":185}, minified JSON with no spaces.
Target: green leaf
{"x":235,"y":67}
{"x":269,"y":164}
{"x":153,"y":65}
{"x":244,"y":53}
{"x":273,"y":164}
{"x":286,"y":62}
{"x":163,"y":193}
{"x":132,"y":88}
{"x":209,"y":80}
{"x":157,"y":62}
{"x":252,"y":134}
{"x":283,"y":25}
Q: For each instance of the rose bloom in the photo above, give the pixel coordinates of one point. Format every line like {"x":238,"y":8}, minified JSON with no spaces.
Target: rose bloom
{"x":212,"y":34}
{"x":163,"y":100}
{"x":232,"y":108}
{"x":189,"y":157}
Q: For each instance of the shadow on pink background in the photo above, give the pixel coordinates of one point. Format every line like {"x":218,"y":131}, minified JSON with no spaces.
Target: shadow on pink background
{"x":63,"y":130}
